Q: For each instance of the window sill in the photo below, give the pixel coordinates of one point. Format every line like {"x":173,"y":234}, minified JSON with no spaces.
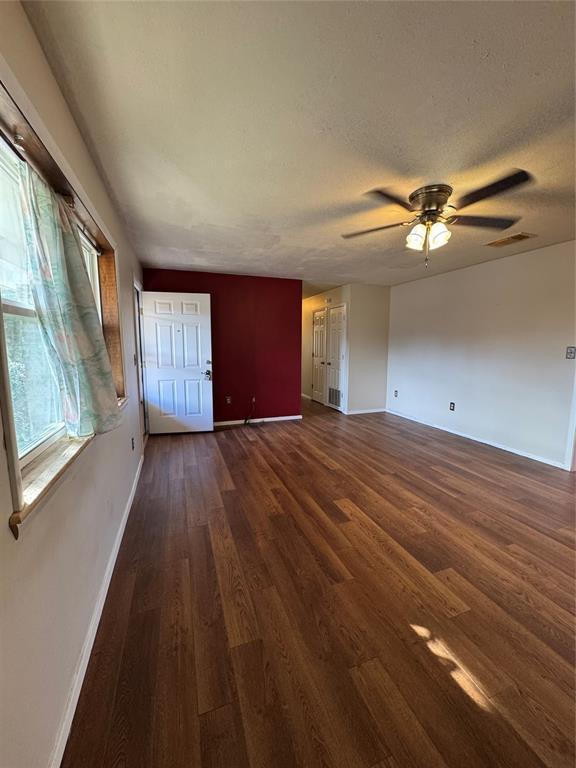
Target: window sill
{"x":40,"y":476}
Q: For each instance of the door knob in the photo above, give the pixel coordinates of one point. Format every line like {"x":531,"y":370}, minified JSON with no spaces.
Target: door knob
{"x":208,"y":375}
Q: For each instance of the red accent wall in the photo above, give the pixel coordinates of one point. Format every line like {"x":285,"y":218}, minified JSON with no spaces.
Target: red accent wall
{"x":256,"y":338}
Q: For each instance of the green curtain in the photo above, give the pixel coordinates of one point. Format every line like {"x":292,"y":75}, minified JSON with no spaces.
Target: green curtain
{"x":65,"y":305}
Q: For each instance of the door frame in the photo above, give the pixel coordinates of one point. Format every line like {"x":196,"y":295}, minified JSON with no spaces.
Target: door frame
{"x":138,"y":357}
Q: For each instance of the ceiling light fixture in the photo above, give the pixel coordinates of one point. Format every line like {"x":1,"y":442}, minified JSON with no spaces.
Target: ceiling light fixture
{"x":416,"y":238}
{"x":439,"y":235}
{"x":431,"y":212}
{"x":428,"y":237}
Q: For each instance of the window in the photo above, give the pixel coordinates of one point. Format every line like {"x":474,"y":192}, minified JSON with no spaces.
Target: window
{"x":34,"y":387}
{"x":91,"y":260}
{"x":39,"y":445}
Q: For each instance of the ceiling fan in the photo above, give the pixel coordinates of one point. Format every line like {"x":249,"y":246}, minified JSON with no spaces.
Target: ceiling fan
{"x":432,"y":211}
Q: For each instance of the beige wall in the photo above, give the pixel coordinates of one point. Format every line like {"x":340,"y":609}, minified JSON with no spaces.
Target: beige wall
{"x":492,"y":339}
{"x":367,"y":312}
{"x":51,"y":579}
{"x":368,"y":347}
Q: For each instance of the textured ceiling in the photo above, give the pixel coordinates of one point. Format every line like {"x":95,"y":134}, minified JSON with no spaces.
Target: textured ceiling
{"x":240,"y":137}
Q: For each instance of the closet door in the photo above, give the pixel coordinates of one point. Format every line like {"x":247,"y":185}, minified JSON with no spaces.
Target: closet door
{"x":319,"y":357}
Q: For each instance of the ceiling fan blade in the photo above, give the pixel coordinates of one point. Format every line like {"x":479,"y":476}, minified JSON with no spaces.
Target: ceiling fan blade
{"x":374,"y":229}
{"x":496,"y":188}
{"x":494,"y":222}
{"x":384,"y":196}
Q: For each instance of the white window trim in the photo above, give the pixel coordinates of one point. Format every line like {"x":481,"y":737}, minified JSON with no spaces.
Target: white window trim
{"x":92,"y":269}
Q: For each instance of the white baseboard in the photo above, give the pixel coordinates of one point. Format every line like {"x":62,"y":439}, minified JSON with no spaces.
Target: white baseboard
{"x":74,"y":694}
{"x":255,"y":421}
{"x":306,"y":397}
{"x":366,"y":410}
{"x":524,"y":454}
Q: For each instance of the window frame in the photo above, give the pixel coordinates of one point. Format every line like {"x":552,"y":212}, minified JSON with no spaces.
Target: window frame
{"x":32,"y":476}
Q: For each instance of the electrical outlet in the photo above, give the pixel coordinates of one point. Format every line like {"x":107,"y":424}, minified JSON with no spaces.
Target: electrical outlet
{"x":570,"y":353}
{"x":228,"y":399}
{"x":395,"y":393}
{"x":132,"y":443}
{"x":452,"y":406}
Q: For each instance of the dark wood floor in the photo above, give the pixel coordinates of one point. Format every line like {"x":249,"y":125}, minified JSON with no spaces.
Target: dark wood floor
{"x":353,"y":591}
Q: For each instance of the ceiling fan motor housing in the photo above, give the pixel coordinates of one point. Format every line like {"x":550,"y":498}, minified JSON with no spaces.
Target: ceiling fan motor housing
{"x":430,"y":199}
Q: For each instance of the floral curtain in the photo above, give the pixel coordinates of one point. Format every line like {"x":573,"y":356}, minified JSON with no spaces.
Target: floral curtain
{"x":65,"y":305}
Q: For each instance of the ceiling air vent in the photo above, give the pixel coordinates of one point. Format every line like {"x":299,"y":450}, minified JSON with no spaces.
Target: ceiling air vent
{"x":510,"y":239}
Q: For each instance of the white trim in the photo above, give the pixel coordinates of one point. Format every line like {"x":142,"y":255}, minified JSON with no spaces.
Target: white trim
{"x":305,"y":396}
{"x":570,"y":455}
{"x":366,"y":410}
{"x":552,"y":463}
{"x":82,"y":665}
{"x":256,"y":421}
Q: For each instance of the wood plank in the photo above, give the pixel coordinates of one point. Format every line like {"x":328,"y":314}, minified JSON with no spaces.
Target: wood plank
{"x":268,"y":736}
{"x":212,"y":661}
{"x":129,"y":741}
{"x":222,"y":738}
{"x":239,"y":613}
{"x":175,"y":726}
{"x":407,"y":739}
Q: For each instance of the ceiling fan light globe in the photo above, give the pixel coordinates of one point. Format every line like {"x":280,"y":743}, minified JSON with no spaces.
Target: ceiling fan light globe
{"x":416,"y":238}
{"x":439,"y":235}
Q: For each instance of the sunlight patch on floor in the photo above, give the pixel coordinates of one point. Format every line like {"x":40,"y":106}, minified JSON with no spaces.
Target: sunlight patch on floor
{"x":458,"y":671}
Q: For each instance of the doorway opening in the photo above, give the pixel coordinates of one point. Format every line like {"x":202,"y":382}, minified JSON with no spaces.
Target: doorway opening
{"x":330,"y":357}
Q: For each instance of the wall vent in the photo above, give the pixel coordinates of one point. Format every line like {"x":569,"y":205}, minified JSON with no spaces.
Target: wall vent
{"x":334,"y":396}
{"x":510,"y":239}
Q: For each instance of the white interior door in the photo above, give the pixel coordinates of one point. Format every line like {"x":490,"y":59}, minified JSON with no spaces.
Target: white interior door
{"x":177,"y":361}
{"x":319,"y":356}
{"x":336,"y":357}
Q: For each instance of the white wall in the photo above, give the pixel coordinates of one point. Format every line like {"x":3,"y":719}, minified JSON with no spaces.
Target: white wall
{"x":492,"y":339}
{"x":368,"y":347}
{"x":51,"y":579}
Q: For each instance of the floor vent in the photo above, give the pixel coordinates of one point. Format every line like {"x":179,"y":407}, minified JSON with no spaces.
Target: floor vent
{"x":334,"y":396}
{"x":510,"y":239}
